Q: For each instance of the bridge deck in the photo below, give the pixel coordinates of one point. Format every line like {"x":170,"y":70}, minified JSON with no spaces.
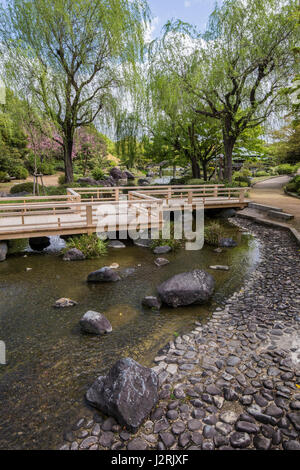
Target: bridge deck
{"x":83,"y":209}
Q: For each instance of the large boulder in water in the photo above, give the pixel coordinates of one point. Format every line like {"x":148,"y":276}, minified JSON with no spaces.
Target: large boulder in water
{"x":128,"y":393}
{"x":117,"y":174}
{"x":195,"y":287}
{"x":39,"y":243}
{"x":129,"y":175}
{"x":105,"y":274}
{"x":95,"y":323}
{"x":3,"y":251}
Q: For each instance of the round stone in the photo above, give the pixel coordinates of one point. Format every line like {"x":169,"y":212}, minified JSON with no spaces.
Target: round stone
{"x":240,"y":440}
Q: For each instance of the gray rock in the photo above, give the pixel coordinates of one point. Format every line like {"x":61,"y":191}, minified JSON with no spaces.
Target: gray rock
{"x":73,"y":255}
{"x":240,"y":440}
{"x":295,"y":420}
{"x":137,"y":444}
{"x":195,"y":287}
{"x":129,"y":392}
{"x":161,"y":262}
{"x":87,"y":180}
{"x":104,"y":274}
{"x":95,"y":323}
{"x":219,"y":268}
{"x":64,"y":303}
{"x":227,"y":243}
{"x":143,"y":242}
{"x":116,"y":244}
{"x":227,"y":213}
{"x":152,"y":302}
{"x":246,"y":426}
{"x":3,"y":251}
{"x":162,"y":250}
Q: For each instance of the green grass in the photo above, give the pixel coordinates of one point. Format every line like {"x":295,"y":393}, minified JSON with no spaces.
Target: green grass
{"x":90,"y":245}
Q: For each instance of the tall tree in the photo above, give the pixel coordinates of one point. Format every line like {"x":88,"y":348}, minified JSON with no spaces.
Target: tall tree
{"x":69,"y":56}
{"x":236,"y":71}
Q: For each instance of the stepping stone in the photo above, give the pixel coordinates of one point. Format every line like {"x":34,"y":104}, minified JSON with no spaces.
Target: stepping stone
{"x":219,"y":268}
{"x":116,"y":244}
{"x":64,"y":303}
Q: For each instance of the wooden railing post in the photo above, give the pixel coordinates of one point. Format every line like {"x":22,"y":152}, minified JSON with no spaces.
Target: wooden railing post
{"x":169,"y":193}
{"x":190,"y":197}
{"x":89,"y":218}
{"x":117,"y":194}
{"x":216,"y":191}
{"x":242,"y":195}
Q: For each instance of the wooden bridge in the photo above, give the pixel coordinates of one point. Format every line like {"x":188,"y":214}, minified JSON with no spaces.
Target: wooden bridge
{"x":82,"y":208}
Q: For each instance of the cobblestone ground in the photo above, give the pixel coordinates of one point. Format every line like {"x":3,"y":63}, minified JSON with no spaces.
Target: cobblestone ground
{"x":230,"y":383}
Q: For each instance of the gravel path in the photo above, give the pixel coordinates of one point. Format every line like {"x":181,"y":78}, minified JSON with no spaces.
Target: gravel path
{"x":232,"y":383}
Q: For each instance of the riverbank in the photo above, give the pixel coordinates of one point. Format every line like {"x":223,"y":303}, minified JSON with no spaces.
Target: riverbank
{"x":233,"y":382}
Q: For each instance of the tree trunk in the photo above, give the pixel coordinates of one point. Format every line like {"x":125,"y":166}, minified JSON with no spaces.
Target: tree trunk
{"x":174,"y":171}
{"x":204,"y":167}
{"x":195,"y":168}
{"x":68,"y":149}
{"x":228,"y":148}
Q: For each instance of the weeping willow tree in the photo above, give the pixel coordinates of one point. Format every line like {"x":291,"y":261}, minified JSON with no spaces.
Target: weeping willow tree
{"x":128,"y":147}
{"x":70,"y":57}
{"x":235,"y":72}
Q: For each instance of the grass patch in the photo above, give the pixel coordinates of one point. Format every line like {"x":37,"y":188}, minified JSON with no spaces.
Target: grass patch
{"x":213,"y":233}
{"x":90,"y":245}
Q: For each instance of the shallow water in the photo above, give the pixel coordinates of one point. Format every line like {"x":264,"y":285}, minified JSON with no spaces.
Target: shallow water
{"x":51,"y":363}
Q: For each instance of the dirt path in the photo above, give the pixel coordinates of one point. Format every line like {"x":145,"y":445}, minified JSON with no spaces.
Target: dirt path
{"x":270,"y":192}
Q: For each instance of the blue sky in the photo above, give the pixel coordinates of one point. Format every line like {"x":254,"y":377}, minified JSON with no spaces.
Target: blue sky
{"x":195,"y":12}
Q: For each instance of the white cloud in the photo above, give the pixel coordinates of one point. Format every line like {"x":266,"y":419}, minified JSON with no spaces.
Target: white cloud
{"x":187,"y":3}
{"x":150,"y":28}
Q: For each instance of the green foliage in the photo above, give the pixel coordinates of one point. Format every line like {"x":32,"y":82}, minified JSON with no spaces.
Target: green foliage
{"x":261,"y":173}
{"x":4,"y":178}
{"x":213,"y":233}
{"x":285,"y":169}
{"x":17,"y":246}
{"x":61,"y":180}
{"x":98,"y":174}
{"x":24,"y":188}
{"x":173,"y":243}
{"x":56,"y":190}
{"x":90,"y":245}
{"x":20,"y":172}
{"x":196,"y":181}
{"x":294,"y":185}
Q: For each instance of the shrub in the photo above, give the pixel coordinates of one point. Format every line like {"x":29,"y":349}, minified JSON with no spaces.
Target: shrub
{"x":56,"y":190}
{"x":20,"y":172}
{"x":46,"y":169}
{"x":197,"y":181}
{"x":285,"y":169}
{"x":171,"y":242}
{"x":17,"y":246}
{"x":213,"y":233}
{"x":261,"y":173}
{"x":90,"y":245}
{"x":22,"y":188}
{"x":4,"y":178}
{"x":98,"y":174}
{"x":61,"y":180}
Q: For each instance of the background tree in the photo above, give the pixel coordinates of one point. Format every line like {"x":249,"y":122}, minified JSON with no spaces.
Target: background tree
{"x":70,"y":55}
{"x":236,"y":71}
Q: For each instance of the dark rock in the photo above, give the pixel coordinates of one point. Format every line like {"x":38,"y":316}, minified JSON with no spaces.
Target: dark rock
{"x":3,"y":251}
{"x":162,"y":250}
{"x":90,"y":181}
{"x":227,"y":213}
{"x":117,"y":174}
{"x":230,"y":394}
{"x":152,"y":302}
{"x":240,"y":440}
{"x":295,"y":420}
{"x":178,"y":427}
{"x":137,"y":444}
{"x":143,"y":182}
{"x":189,"y":288}
{"x":39,"y":243}
{"x":227,"y":243}
{"x":167,"y":438}
{"x":104,"y":275}
{"x":143,"y":242}
{"x":245,"y":426}
{"x":73,"y":255}
{"x":106,"y":439}
{"x":262,"y":443}
{"x":95,"y":323}
{"x":291,"y":445}
{"x":128,"y":393}
{"x":130,"y":176}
